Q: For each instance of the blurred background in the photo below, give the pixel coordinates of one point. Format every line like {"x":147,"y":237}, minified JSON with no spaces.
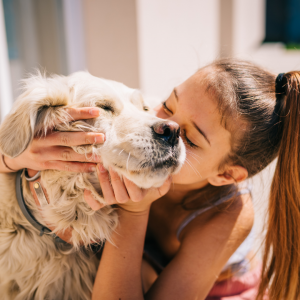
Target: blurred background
{"x":152,"y":45}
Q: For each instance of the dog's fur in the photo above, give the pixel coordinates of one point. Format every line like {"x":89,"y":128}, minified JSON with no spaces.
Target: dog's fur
{"x":34,"y":267}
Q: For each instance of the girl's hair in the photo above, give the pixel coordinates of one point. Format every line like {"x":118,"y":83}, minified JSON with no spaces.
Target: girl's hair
{"x":263,"y":126}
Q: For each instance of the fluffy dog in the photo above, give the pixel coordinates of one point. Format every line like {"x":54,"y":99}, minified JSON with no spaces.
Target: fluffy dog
{"x":138,"y":145}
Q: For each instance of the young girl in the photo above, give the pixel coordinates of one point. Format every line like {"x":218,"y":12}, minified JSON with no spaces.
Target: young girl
{"x":198,"y":233}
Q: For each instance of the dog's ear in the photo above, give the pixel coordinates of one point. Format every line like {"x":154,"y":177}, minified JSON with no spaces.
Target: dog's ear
{"x":36,"y":110}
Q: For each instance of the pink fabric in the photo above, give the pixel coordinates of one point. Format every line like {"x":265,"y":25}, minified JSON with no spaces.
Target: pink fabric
{"x":244,"y":287}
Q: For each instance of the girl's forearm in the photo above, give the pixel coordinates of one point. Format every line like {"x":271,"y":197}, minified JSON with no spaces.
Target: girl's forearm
{"x":119,"y":272}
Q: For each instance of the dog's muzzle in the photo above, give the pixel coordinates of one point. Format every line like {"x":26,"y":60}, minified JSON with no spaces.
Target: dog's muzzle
{"x":166,"y":151}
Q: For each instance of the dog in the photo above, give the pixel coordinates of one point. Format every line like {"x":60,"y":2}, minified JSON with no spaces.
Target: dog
{"x":138,"y":145}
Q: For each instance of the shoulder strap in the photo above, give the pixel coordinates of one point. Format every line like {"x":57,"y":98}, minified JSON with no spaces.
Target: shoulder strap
{"x":193,"y":215}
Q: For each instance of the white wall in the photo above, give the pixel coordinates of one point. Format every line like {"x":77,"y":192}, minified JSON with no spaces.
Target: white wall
{"x":111,"y":40}
{"x":74,"y":35}
{"x":248,"y":25}
{"x":175,"y":38}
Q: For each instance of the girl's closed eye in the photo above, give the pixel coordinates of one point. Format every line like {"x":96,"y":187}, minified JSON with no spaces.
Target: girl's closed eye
{"x":191,"y":144}
{"x":165,"y":107}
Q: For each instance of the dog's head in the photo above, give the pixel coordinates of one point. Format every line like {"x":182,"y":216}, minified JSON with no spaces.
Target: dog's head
{"x":138,"y":145}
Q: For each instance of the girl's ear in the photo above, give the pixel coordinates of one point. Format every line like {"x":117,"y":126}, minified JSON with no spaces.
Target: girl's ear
{"x":232,"y":174}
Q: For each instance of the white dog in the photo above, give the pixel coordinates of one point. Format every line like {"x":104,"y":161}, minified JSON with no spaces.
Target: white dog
{"x":138,"y":145}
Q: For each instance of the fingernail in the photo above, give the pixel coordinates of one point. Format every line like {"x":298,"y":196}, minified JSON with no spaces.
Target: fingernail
{"x":92,"y":169}
{"x":94,"y":111}
{"x":101,"y":168}
{"x":99,"y":138}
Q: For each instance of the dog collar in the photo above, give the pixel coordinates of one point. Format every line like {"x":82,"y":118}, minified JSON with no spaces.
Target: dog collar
{"x":41,"y":228}
{"x":41,"y":199}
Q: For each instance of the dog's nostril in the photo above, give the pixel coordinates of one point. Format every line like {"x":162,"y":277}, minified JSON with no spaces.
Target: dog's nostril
{"x":168,"y":131}
{"x":178,"y":133}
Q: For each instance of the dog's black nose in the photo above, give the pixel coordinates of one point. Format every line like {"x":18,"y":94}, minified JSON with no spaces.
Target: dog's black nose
{"x":168,"y":131}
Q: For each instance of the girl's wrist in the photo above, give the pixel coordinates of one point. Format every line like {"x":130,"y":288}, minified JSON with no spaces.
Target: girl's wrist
{"x":133,"y":213}
{"x":9,"y":164}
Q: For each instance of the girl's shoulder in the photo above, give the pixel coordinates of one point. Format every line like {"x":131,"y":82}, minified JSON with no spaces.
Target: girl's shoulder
{"x":225,"y":225}
{"x":209,"y":241}
{"x":221,"y":201}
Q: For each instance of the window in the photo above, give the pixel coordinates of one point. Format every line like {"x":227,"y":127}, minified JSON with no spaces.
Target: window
{"x":283,"y":22}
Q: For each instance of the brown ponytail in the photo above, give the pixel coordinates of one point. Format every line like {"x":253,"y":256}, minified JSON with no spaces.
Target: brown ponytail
{"x":281,"y":263}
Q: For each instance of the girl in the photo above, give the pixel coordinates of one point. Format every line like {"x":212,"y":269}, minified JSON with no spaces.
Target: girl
{"x":234,"y":123}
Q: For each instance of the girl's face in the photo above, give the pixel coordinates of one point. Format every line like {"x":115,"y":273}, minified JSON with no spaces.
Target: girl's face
{"x":207,"y":141}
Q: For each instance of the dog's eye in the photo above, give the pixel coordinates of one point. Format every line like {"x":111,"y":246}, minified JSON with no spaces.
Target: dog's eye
{"x":145,"y":108}
{"x":107,"y":107}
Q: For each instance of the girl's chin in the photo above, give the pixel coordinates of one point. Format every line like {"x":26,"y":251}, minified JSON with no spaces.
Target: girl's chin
{"x":182,"y":178}
{"x":178,"y":178}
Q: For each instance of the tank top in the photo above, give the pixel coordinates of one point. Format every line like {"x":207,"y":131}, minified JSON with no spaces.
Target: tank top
{"x":238,"y":259}
{"x":238,"y":262}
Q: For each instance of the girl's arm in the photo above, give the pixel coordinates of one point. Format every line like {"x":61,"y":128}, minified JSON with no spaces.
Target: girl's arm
{"x":119,"y":273}
{"x":54,"y":152}
{"x":206,"y":245}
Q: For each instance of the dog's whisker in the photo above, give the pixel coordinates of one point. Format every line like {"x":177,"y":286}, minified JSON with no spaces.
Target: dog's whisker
{"x":191,"y":154}
{"x":193,"y":168}
{"x":127,"y":161}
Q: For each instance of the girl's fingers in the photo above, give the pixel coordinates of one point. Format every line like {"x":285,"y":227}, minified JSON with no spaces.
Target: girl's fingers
{"x":71,"y":139}
{"x":156,"y":193}
{"x":83,"y":113}
{"x":66,"y":154}
{"x":136,"y":194}
{"x":91,"y":201}
{"x":116,"y":191}
{"x":70,"y":166}
{"x":165,"y":187}
{"x":118,"y":186}
{"x":108,"y":193}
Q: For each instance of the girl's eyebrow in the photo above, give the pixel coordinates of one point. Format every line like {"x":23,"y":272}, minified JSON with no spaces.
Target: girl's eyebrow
{"x":195,"y":125}
{"x":201,"y":132}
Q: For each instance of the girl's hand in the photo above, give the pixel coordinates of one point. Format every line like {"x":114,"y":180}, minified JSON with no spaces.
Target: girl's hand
{"x":54,"y":152}
{"x":124,"y":192}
